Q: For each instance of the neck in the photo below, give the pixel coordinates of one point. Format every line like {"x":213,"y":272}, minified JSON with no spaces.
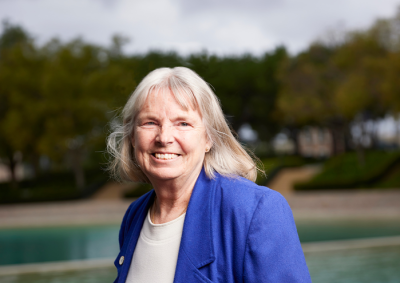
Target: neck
{"x":172,"y":198}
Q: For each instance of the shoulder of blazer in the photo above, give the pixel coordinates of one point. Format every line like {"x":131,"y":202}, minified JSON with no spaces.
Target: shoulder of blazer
{"x":237,"y":199}
{"x":238,"y":182}
{"x":239,"y":191}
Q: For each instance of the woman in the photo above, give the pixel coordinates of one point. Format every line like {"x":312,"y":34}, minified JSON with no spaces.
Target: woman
{"x":206,"y":220}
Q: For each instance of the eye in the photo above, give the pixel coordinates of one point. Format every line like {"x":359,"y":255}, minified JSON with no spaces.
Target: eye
{"x":184,"y":124}
{"x":148,"y":124}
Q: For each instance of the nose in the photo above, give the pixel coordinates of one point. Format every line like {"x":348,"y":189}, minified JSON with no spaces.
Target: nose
{"x":165,"y":135}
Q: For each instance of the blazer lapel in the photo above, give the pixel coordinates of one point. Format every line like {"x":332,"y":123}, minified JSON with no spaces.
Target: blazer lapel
{"x":186,"y":272}
{"x":196,"y":248}
{"x":133,"y":236}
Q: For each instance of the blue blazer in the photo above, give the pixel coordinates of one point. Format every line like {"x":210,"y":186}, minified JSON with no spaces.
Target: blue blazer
{"x":234,"y":231}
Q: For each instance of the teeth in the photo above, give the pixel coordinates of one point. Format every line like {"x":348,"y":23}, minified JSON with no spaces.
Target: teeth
{"x":166,"y":156}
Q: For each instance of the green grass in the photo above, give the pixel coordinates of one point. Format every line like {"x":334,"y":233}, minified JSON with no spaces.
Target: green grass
{"x":391,"y":179}
{"x":345,"y":171}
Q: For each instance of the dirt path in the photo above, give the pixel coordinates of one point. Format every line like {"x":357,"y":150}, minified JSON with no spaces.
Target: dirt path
{"x":285,"y":179}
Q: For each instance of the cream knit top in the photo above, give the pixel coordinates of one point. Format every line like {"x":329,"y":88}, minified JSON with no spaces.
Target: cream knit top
{"x":156,"y":252}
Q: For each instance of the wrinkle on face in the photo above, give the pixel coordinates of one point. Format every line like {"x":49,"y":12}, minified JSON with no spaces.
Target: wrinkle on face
{"x":163,"y":126}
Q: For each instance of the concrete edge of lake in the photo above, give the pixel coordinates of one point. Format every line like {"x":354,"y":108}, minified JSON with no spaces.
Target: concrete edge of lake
{"x":327,"y":246}
{"x":61,"y":266}
{"x":90,"y":220}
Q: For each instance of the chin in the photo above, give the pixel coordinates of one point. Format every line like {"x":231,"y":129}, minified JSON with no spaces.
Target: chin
{"x":165,"y":174}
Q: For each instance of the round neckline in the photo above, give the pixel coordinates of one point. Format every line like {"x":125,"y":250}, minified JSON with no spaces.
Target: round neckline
{"x":166,"y":223}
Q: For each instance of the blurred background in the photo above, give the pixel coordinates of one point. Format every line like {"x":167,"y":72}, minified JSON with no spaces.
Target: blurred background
{"x":312,"y":87}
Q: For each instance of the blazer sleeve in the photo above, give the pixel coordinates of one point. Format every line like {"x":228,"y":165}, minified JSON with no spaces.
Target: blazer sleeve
{"x":273,"y":250}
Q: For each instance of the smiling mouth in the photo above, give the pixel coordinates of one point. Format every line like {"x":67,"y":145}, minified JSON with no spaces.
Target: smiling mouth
{"x":166,"y":156}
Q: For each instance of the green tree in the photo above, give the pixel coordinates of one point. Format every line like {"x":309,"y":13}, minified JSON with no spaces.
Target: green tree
{"x":20,"y":72}
{"x":77,"y":95}
{"x":308,"y":83}
{"x":246,"y":85}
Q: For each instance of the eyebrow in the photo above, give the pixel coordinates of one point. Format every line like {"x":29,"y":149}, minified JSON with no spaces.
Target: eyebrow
{"x":181,"y":117}
{"x":147,"y":116}
{"x":155,"y":117}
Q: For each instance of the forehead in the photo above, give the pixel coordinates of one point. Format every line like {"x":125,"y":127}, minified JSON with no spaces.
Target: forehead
{"x":166,"y":102}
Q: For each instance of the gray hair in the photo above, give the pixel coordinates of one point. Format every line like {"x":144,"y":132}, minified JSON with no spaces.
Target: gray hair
{"x":226,"y":156}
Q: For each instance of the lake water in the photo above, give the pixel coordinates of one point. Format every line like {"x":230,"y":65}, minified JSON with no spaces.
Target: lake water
{"x":372,"y":265}
{"x":29,"y":245}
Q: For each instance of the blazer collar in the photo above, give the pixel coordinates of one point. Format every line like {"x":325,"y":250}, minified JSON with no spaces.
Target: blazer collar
{"x":133,"y":236}
{"x":197,"y":240}
{"x":196,"y":248}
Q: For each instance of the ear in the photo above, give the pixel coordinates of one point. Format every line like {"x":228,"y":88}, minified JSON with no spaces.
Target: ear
{"x":209,"y":144}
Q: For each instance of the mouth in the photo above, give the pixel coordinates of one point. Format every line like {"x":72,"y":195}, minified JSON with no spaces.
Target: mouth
{"x":165,"y":156}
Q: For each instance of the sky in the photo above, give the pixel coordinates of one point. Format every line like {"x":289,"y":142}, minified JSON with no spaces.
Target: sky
{"x":219,"y":26}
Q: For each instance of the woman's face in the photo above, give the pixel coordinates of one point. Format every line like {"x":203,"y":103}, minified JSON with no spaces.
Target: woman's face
{"x":170,"y":142}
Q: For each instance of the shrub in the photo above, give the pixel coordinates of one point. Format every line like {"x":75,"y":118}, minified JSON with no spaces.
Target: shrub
{"x":345,"y":171}
{"x":52,"y":187}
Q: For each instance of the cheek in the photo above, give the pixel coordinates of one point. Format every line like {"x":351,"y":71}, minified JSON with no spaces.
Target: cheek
{"x":142,"y":144}
{"x":143,"y":139}
{"x":194,"y":143}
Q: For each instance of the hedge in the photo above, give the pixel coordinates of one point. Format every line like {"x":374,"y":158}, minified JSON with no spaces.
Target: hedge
{"x":345,"y":171}
{"x":52,"y":187}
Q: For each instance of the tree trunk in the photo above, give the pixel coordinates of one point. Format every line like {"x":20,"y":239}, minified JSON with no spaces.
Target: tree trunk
{"x":338,"y":139}
{"x":12,"y":164}
{"x":36,"y":165}
{"x":77,"y":168}
{"x":397,"y":122}
{"x":348,"y":142}
{"x":294,"y":136}
{"x":360,"y":148}
{"x":374,"y":137}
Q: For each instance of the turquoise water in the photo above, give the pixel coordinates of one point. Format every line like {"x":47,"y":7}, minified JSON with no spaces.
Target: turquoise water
{"x":315,"y":231}
{"x":372,"y":265}
{"x":28,"y":245}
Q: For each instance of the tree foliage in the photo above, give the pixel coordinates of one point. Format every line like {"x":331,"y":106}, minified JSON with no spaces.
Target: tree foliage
{"x":337,"y":85}
{"x":57,"y":99}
